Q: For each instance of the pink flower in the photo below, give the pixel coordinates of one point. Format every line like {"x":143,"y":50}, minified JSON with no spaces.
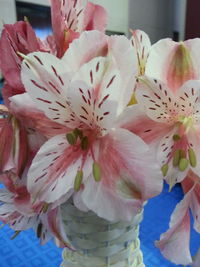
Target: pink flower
{"x":169,"y":122}
{"x":174,"y":62}
{"x":72,"y":17}
{"x":86,"y":91}
{"x":15,"y":38}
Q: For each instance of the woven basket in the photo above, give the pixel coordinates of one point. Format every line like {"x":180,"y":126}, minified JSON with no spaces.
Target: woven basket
{"x":100,"y":243}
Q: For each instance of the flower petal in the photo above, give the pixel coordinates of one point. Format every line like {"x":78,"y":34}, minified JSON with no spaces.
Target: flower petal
{"x":157,"y":100}
{"x":136,"y":121}
{"x":94,"y":99}
{"x":141,"y":42}
{"x":188,"y":99}
{"x":177,"y":237}
{"x":95,"y":18}
{"x":54,"y":168}
{"x":18,"y":37}
{"x":174,"y":63}
{"x":124,"y":180}
{"x":46,"y":79}
{"x":107,"y":204}
{"x":89,"y":45}
{"x":34,"y":119}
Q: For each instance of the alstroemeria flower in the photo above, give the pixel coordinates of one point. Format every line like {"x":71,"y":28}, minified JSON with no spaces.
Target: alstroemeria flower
{"x":72,"y":17}
{"x":15,"y":38}
{"x":170,"y":123}
{"x":103,"y":163}
{"x":174,"y":62}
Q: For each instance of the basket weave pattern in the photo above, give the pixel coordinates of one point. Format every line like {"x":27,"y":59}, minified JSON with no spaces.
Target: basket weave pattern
{"x":100,"y":243}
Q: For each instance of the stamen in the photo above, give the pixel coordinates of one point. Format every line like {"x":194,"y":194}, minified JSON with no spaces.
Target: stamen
{"x":39,"y":230}
{"x":15,"y":235}
{"x":23,"y":56}
{"x":71,"y":138}
{"x":78,"y":180}
{"x":192,"y":157}
{"x":176,"y":137}
{"x":84,"y":143}
{"x":164,"y":169}
{"x":176,"y":157}
{"x":78,"y":133}
{"x":183,"y":164}
{"x":45,"y":207}
{"x":96,"y":172}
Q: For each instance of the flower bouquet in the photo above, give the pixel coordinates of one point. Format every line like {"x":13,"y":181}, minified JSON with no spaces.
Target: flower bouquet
{"x":90,"y":128}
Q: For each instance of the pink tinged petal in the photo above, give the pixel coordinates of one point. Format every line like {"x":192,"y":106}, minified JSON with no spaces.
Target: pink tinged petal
{"x":141,"y":43}
{"x":54,"y":168}
{"x":131,"y":154}
{"x":94,"y":99}
{"x":46,"y":79}
{"x":157,"y":100}
{"x":136,"y":121}
{"x":7,"y":92}
{"x":89,"y":45}
{"x":193,"y":48}
{"x":125,"y":183}
{"x":192,"y":182}
{"x":6,"y":138}
{"x":177,"y":237}
{"x":124,"y":180}
{"x":95,"y":17}
{"x":195,"y":207}
{"x":34,"y":119}
{"x":67,"y":20}
{"x":188,"y":100}
{"x":18,"y":37}
{"x":125,"y":60}
{"x":174,"y":63}
{"x":107,"y":204}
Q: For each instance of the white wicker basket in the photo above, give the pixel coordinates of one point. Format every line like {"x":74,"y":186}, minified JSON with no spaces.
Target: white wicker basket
{"x":100,"y":243}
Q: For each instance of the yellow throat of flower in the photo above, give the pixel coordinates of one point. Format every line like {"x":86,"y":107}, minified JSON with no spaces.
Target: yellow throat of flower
{"x":187,"y":122}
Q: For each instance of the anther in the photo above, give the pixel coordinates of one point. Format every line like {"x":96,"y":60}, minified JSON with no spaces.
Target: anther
{"x":78,"y":180}
{"x":164,"y":169}
{"x":192,"y":157}
{"x":96,"y":172}
{"x":183,"y":164}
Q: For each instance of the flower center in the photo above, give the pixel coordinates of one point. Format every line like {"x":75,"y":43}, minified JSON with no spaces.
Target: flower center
{"x":187,"y":122}
{"x":84,"y":141}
